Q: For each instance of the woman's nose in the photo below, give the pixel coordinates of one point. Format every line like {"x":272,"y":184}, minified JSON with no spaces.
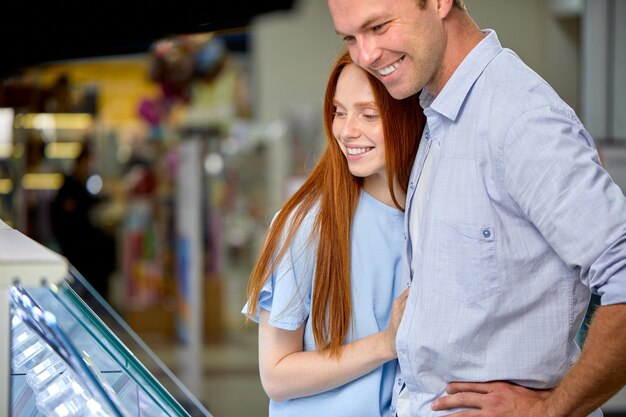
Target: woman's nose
{"x":350,"y":129}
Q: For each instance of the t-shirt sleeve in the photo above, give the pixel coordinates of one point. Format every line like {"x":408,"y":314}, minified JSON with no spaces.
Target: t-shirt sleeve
{"x":287,"y":292}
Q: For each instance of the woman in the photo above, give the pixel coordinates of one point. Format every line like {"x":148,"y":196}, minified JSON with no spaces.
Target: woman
{"x":323,"y":287}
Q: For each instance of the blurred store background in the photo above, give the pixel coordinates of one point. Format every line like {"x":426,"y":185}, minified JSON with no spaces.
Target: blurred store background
{"x":188,"y":140}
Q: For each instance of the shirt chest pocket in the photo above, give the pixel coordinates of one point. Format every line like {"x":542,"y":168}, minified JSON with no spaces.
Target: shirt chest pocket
{"x":465,"y":262}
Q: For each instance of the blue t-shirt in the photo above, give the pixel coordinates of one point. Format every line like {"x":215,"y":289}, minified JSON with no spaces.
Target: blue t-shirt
{"x":376,"y":247}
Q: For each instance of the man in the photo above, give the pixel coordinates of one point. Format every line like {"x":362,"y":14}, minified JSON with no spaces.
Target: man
{"x":511,"y":220}
{"x":87,"y":247}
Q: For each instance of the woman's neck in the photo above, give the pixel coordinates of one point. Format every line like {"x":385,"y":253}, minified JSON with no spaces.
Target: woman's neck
{"x":377,"y":187}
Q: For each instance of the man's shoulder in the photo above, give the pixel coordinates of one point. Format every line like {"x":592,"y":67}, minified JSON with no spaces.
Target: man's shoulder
{"x":512,"y":83}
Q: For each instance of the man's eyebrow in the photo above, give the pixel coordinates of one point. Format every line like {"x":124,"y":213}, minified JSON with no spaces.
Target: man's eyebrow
{"x":369,"y":21}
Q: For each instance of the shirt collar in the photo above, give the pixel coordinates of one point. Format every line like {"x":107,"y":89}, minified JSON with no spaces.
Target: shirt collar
{"x":451,"y":98}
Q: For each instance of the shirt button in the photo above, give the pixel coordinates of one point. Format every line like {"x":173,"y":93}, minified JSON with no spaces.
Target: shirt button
{"x":427,"y":135}
{"x":400,"y":381}
{"x":408,"y":284}
{"x":404,"y":234}
{"x":486,"y":232}
{"x":392,"y":408}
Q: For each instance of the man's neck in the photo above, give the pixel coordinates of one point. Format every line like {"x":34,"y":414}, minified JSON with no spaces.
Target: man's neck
{"x":463,"y":34}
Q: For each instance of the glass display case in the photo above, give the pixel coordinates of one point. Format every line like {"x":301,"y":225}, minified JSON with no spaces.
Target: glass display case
{"x":60,"y":356}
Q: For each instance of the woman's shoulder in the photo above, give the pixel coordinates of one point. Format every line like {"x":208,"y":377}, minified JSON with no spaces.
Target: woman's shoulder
{"x":308,"y":220}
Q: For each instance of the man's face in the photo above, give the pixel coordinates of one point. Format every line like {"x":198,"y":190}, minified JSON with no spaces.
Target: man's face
{"x":396,"y":40}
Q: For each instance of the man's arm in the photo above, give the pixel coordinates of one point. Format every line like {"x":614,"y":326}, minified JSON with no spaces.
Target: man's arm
{"x":598,"y":374}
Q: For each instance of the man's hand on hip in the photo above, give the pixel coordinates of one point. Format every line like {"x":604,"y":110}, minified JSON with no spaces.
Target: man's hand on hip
{"x":493,"y":399}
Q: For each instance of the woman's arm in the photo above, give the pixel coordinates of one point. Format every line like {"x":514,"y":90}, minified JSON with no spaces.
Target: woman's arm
{"x":288,"y":372}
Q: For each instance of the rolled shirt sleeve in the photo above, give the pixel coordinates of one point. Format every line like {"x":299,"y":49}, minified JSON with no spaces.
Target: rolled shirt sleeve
{"x":553,"y":173}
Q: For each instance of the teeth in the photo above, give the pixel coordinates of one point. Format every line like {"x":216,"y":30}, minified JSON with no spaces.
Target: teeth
{"x":357,"y":151}
{"x":391,"y":68}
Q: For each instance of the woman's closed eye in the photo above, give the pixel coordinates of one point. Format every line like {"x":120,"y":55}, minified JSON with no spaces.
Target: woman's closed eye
{"x":371,"y":117}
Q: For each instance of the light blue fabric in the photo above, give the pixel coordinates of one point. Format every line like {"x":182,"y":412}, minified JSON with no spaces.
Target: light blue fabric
{"x":376,"y":247}
{"x":521,"y":221}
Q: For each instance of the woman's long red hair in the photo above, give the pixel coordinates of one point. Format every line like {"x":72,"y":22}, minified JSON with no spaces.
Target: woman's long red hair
{"x":337,"y":191}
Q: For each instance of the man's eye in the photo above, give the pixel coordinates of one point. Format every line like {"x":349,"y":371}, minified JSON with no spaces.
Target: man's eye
{"x":370,"y":117}
{"x":379,"y":27}
{"x":340,"y":114}
{"x":348,"y":39}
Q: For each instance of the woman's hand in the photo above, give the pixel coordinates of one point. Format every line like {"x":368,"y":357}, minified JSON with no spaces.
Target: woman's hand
{"x":289,"y":372}
{"x":397,"y":311}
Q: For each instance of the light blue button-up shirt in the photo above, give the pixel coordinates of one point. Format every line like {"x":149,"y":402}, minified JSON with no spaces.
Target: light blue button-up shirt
{"x":520,"y":223}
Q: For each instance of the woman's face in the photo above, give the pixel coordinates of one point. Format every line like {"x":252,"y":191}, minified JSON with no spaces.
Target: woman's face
{"x":357,"y":125}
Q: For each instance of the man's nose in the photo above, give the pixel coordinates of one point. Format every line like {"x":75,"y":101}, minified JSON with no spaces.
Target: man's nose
{"x":365,"y":52}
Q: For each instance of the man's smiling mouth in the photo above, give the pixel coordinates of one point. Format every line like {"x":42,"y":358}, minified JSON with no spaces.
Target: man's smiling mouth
{"x":391,"y":68}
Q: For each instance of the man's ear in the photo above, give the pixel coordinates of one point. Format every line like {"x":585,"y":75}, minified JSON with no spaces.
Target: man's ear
{"x":444,"y":7}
